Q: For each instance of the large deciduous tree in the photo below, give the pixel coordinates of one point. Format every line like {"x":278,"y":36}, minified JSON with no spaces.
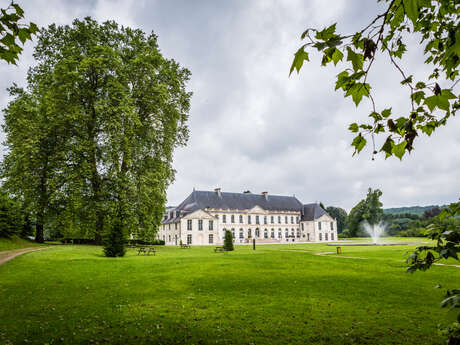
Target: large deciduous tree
{"x":340,"y":215}
{"x":369,"y":209}
{"x":123,"y":109}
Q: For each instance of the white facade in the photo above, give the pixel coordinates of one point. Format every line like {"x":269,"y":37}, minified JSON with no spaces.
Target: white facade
{"x":207,"y":226}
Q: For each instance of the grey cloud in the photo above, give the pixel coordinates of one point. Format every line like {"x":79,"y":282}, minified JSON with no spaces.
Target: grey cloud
{"x":254,"y":128}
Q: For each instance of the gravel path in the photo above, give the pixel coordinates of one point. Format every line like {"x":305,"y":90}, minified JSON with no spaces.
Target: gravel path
{"x":8,"y":255}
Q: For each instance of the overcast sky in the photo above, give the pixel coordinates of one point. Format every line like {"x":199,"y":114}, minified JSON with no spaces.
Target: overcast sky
{"x":254,"y":128}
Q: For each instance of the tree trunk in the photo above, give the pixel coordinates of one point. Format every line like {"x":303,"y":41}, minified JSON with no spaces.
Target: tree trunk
{"x":39,"y":228}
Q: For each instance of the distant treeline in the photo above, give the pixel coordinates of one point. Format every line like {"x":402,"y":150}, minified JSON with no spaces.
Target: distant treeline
{"x":418,"y":210}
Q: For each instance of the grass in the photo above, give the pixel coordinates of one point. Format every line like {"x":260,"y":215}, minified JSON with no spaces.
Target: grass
{"x":16,"y":242}
{"x":278,"y":294}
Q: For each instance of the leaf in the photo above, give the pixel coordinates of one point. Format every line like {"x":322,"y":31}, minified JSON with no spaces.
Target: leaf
{"x":386,"y":112}
{"x":358,"y":91}
{"x":358,"y":142}
{"x":299,"y":58}
{"x":411,"y":9}
{"x":399,"y":149}
{"x":356,"y":59}
{"x":387,"y":146}
{"x":337,"y":56}
{"x":418,"y":96}
{"x":342,"y":80}
{"x":354,"y":127}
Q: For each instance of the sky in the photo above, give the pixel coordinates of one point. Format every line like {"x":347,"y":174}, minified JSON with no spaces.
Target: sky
{"x":252,"y":127}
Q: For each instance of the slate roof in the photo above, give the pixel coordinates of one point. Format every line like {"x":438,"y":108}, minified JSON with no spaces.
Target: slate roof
{"x":199,"y":200}
{"x":312,"y":211}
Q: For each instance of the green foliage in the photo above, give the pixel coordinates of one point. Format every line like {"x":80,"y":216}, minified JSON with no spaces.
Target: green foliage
{"x":445,"y":231}
{"x":228,"y":241}
{"x":11,"y":220}
{"x":114,"y":243}
{"x":340,"y":215}
{"x":429,"y":105}
{"x":369,"y":209}
{"x":98,"y":123}
{"x":414,"y":210}
{"x":12,"y":32}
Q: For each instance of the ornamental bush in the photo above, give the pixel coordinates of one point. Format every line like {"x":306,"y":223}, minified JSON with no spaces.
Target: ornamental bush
{"x":228,"y":241}
{"x":114,"y":243}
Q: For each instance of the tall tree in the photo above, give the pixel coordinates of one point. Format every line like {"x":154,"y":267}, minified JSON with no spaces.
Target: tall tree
{"x":340,"y":216}
{"x":369,"y":209}
{"x":123,"y":109}
{"x":12,"y":31}
{"x":34,"y":150}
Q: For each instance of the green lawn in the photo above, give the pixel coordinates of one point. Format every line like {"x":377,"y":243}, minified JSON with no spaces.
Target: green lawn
{"x":15,"y":242}
{"x":278,"y":294}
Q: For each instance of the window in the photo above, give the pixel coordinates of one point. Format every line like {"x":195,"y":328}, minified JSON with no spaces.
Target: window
{"x":249,"y":219}
{"x":303,"y":227}
{"x":233,"y":233}
{"x":279,"y":233}
{"x":297,"y":220}
{"x":292,"y":219}
{"x":169,"y":226}
{"x":164,"y":239}
{"x":217,"y":216}
{"x":189,"y":224}
{"x":211,"y":225}
{"x":319,"y":225}
{"x":232,"y":218}
{"x":272,"y":234}
{"x":308,"y":237}
{"x":279,"y":219}
{"x":325,"y":236}
{"x":265,"y":219}
{"x":200,"y":224}
{"x":332,"y":226}
{"x":189,"y":239}
{"x":249,"y":233}
{"x":265,"y":233}
{"x":286,"y":233}
{"x":285,"y":220}
{"x":241,"y":234}
{"x":257,"y":220}
{"x":241,"y":219}
{"x":298,"y":233}
{"x":169,"y":238}
{"x":224,"y":218}
{"x":257,"y":232}
{"x":272,"y":219}
{"x":292,"y":233}
{"x":332,"y":236}
{"x":175,"y":226}
{"x":211,"y":238}
{"x":320,"y":237}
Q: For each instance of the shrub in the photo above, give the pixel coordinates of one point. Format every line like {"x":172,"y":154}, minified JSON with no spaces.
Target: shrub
{"x":142,"y":242}
{"x":114,"y":243}
{"x":228,"y":241}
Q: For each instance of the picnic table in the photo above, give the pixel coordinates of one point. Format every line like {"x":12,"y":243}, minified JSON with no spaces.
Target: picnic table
{"x":183,"y":245}
{"x":220,"y":249}
{"x":146,"y":250}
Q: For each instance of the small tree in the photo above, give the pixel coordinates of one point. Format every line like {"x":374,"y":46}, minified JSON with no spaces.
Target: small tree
{"x":228,"y":241}
{"x":114,"y":244}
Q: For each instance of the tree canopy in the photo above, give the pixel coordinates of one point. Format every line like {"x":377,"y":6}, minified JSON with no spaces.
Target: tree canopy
{"x":369,"y":209}
{"x":91,"y":139}
{"x":340,"y":215}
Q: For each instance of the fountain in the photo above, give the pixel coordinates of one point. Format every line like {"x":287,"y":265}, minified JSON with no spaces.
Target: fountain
{"x":375,"y":231}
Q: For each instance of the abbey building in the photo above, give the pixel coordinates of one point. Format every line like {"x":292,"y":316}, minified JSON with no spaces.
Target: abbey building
{"x":204,"y":216}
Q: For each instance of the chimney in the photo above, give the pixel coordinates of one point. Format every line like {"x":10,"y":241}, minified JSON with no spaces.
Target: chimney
{"x":217,"y":190}
{"x":265,"y":195}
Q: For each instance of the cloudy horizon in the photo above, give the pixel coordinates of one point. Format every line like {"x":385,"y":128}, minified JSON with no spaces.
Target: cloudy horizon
{"x":254,"y":128}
